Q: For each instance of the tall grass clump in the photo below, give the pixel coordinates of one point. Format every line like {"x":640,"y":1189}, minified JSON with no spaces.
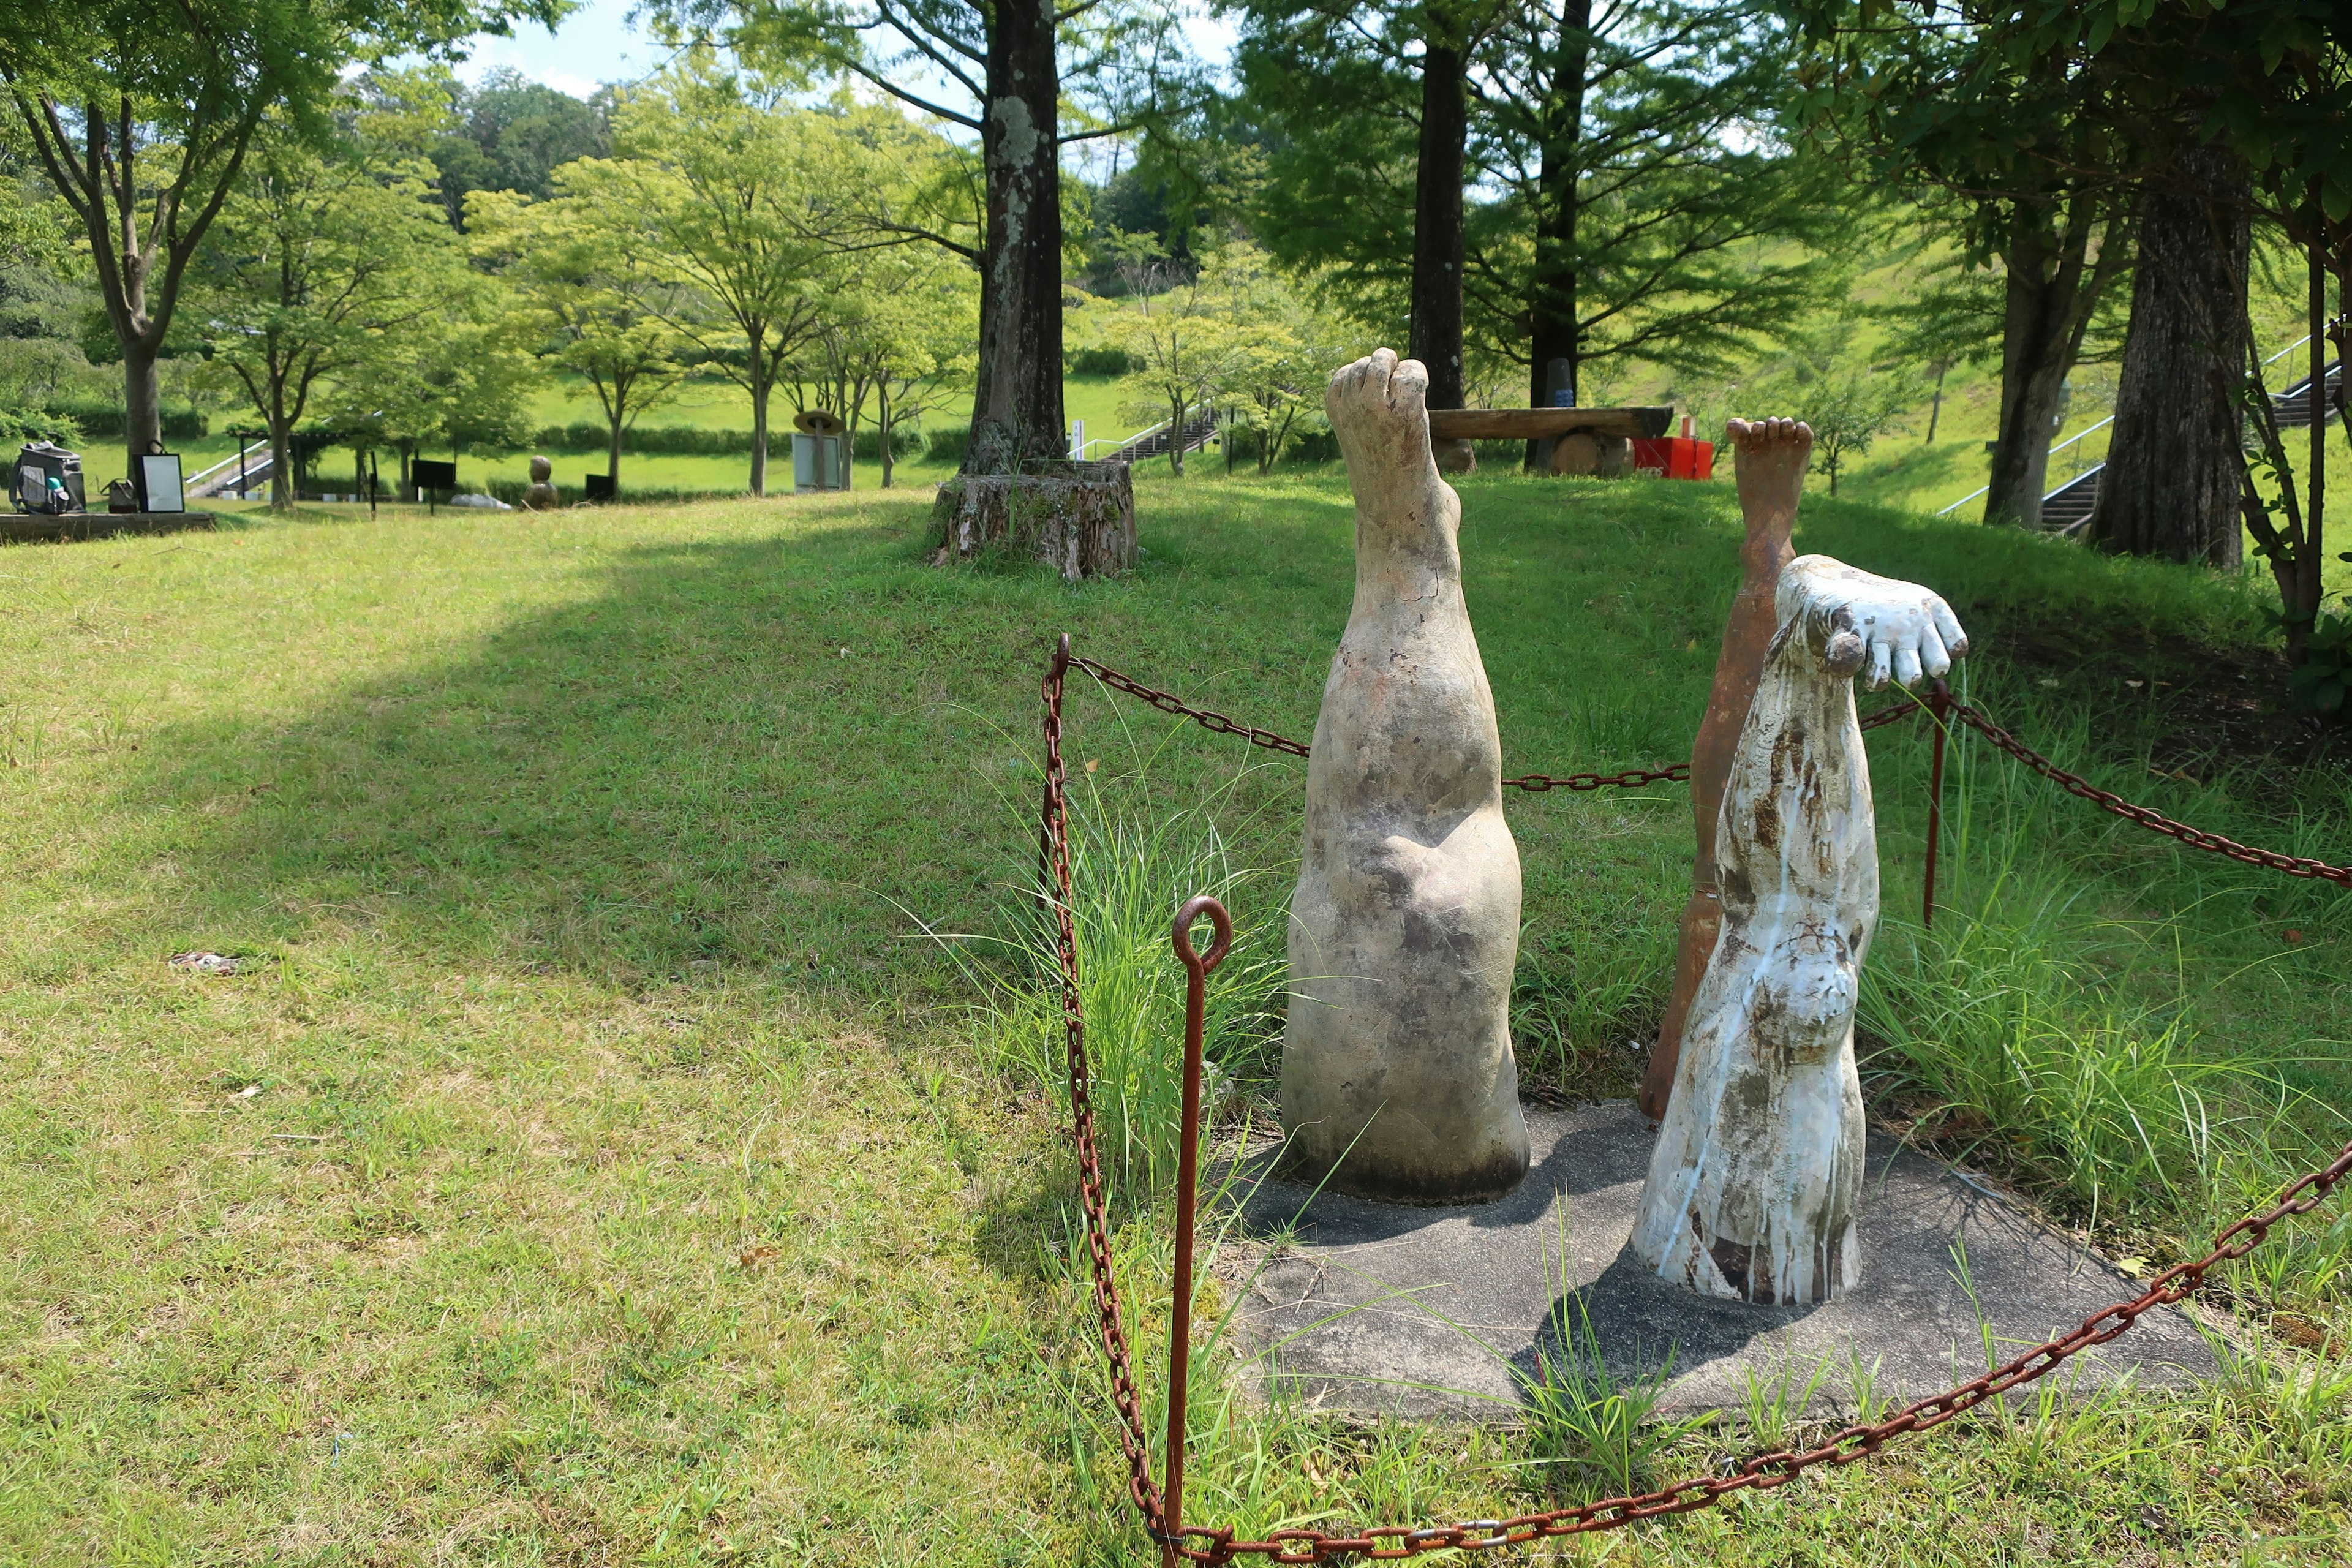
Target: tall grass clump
{"x":1132,"y":863}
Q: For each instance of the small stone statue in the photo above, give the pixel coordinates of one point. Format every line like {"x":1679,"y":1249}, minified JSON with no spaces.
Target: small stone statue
{"x":1398,"y":1081}
{"x":542,"y":496}
{"x":1752,"y":1187}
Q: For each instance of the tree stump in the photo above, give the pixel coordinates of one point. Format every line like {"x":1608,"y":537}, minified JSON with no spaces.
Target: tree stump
{"x":1079,"y":518}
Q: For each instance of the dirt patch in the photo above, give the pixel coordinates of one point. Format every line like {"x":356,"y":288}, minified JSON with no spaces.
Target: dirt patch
{"x":2206,"y":707}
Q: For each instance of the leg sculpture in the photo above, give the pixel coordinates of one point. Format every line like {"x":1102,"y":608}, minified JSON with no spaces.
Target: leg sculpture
{"x":1397,"y":1075}
{"x":1769,"y":454}
{"x":1753,"y":1183}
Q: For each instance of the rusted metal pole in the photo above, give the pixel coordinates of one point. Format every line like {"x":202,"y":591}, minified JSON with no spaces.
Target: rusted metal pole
{"x":1197,"y":969}
{"x":1939,"y":711}
{"x":1057,"y":671}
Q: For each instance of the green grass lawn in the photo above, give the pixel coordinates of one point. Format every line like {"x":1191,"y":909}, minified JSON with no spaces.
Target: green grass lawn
{"x":601,"y":1160}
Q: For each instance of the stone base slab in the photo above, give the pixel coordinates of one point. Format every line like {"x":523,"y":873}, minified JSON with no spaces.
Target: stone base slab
{"x":1361,"y":1307}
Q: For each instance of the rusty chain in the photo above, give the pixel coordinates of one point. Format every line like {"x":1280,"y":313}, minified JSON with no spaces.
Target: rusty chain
{"x":2146,"y":816}
{"x":1535,"y":784}
{"x":1760,"y":1473}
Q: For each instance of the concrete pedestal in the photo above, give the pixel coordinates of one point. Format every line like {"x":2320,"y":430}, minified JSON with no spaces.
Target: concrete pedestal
{"x":28,"y":527}
{"x":1410,"y":1292}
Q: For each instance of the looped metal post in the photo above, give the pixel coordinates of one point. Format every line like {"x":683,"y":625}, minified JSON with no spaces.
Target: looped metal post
{"x":1198,"y":966}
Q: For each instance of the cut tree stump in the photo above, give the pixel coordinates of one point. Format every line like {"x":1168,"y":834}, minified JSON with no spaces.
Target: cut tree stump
{"x":1079,"y":518}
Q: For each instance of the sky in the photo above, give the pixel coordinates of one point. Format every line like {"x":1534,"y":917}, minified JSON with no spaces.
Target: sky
{"x":595,"y":45}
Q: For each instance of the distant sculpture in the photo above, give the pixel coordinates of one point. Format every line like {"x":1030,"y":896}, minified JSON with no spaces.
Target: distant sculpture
{"x":1398,"y":1081}
{"x":1770,"y":455}
{"x":1752,"y":1187}
{"x":542,"y":496}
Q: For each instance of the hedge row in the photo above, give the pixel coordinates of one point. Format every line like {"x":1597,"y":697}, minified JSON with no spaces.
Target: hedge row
{"x":686,"y":441}
{"x":98,"y":420}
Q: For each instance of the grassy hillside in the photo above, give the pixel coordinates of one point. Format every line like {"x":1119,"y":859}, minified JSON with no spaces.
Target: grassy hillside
{"x":600,"y":1161}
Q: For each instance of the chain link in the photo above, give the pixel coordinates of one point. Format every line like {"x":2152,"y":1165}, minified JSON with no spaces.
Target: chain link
{"x":1760,"y":1473}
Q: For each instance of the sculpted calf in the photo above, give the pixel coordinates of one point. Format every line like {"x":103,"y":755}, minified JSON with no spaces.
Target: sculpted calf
{"x":1752,"y":1187}
{"x":1398,"y":1081}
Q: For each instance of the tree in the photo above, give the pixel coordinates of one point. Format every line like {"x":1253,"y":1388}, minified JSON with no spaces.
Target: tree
{"x":1622,"y":171}
{"x":141,"y":116}
{"x":2174,"y":470}
{"x":1011,"y":65}
{"x":712,"y":192}
{"x":2031,"y":152}
{"x":591,"y":305}
{"x":1287,"y":352}
{"x":507,"y":134}
{"x":315,"y":261}
{"x":1182,"y":350}
{"x":2270,"y":82}
{"x":1848,"y":401}
{"x":902,"y":334}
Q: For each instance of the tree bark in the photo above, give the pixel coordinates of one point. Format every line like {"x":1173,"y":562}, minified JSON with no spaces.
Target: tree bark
{"x":762,"y":381}
{"x":1551,"y":294}
{"x":142,"y":396}
{"x":1434,"y":336}
{"x":1016,"y":415}
{"x":2054,"y":285}
{"x":2171,"y":483}
{"x":612,"y":450}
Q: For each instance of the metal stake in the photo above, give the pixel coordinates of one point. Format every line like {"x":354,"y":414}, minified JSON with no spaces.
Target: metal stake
{"x":1197,"y":968}
{"x":1939,"y":711}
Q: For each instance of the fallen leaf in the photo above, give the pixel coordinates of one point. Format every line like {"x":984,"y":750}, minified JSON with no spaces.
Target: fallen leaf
{"x":207,"y":962}
{"x":1093,"y":762}
{"x":2293,"y":936}
{"x":248,"y":1091}
{"x":752,"y":1256}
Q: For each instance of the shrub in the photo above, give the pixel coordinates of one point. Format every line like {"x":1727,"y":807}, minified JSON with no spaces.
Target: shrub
{"x":1099,"y":362}
{"x":947,"y":446}
{"x":99,"y":420}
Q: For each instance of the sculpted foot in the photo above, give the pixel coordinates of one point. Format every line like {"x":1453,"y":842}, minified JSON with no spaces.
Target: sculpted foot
{"x":1379,"y":407}
{"x":1770,"y":455}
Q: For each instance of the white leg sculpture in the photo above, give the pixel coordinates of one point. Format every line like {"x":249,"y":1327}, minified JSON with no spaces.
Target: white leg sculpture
{"x":1397,"y":1075}
{"x":1752,"y":1187}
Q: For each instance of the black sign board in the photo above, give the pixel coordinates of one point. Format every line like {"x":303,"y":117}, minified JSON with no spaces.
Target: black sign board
{"x":426,"y":475}
{"x":597,"y":487}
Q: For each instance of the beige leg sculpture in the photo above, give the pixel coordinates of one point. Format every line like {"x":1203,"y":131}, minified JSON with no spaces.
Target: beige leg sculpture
{"x":1752,"y":1187}
{"x":1398,"y":1081}
{"x":1770,"y":456}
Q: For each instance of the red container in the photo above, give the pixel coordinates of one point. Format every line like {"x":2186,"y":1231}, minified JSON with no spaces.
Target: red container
{"x":1674,"y":457}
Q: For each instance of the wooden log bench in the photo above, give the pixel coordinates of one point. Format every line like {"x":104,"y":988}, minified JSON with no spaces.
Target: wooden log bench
{"x":1578,"y":440}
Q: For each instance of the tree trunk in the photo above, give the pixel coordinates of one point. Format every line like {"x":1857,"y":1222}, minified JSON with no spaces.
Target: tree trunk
{"x":2172,"y":479}
{"x":1016,"y":415}
{"x":142,"y":398}
{"x":882,"y":407}
{"x":1553,"y":344}
{"x":2054,"y":284}
{"x":1936,"y":408}
{"x":1434,"y":337}
{"x":613,"y":443}
{"x":285,"y":483}
{"x":1176,"y":437}
{"x":761,"y":383}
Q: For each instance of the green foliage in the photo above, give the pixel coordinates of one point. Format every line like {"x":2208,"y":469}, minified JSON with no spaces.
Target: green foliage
{"x":509,"y":133}
{"x":1655,"y":120}
{"x":1848,"y":401}
{"x":2322,"y":680}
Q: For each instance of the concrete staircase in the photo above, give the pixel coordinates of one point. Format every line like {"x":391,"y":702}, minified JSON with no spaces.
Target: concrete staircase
{"x":2066,"y":509}
{"x":1157,"y":441}
{"x":2293,"y":407}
